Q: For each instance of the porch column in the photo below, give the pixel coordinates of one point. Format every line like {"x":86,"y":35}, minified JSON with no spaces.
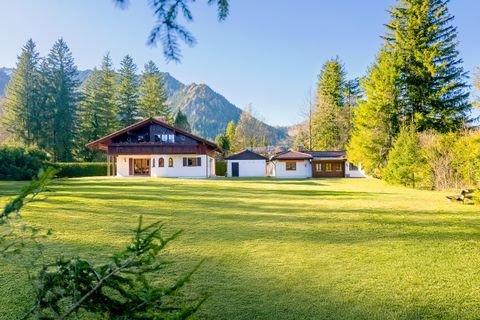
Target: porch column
{"x":108,"y":165}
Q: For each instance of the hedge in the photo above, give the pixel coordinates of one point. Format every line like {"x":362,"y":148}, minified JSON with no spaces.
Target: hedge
{"x":17,"y":163}
{"x":80,"y":169}
{"x":221,"y":168}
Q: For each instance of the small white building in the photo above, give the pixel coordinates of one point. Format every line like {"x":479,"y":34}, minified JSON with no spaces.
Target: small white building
{"x":291,"y":164}
{"x":316,"y":164}
{"x":154,"y":148}
{"x":246,"y":164}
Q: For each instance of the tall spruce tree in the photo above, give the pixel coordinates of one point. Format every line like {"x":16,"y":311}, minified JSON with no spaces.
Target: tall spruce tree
{"x":328,"y":119}
{"x":376,"y":120}
{"x":181,"y":121}
{"x":98,"y":111}
{"x":60,"y":76}
{"x":432,"y":80}
{"x":153,"y":96}
{"x":22,"y":98}
{"x":127,"y":92}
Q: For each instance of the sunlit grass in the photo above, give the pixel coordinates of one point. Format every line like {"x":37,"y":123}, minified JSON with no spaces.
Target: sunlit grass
{"x":278,"y":249}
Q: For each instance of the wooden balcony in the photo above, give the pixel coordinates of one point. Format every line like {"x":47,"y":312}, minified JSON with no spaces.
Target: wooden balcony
{"x":156,"y":148}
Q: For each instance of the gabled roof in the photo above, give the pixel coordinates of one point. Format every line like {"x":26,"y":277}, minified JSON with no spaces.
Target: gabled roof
{"x":327,"y":154}
{"x":102,"y":142}
{"x":246,"y":155}
{"x":292,"y":155}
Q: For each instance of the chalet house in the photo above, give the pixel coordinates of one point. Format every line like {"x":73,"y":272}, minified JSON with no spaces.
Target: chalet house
{"x":154,"y":148}
{"x":316,"y":164}
{"x":246,"y":164}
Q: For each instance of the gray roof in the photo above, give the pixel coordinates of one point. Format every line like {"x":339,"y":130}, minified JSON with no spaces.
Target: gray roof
{"x":292,"y":155}
{"x":327,"y":154}
{"x":246,"y":155}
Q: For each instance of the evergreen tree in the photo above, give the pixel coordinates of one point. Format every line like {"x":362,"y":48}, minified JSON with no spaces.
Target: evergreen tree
{"x":181,"y":121}
{"x":433,"y":82}
{"x":406,"y":162}
{"x":98,"y":110}
{"x":328,"y":119}
{"x":223,"y":143}
{"x":22,"y":98}
{"x":127,"y":92}
{"x":376,"y":118}
{"x":230,"y":132}
{"x":153,"y":96}
{"x":61,"y":84}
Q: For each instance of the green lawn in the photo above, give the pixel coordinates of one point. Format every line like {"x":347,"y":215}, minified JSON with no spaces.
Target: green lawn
{"x":279,"y":249}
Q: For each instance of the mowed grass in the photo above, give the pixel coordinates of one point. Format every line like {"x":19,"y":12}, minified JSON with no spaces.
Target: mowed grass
{"x":277,"y":249}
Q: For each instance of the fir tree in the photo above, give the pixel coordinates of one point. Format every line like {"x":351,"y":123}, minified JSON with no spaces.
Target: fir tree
{"x":127,"y":92}
{"x":22,"y":98}
{"x":181,"y":121}
{"x":153,"y":96}
{"x":405,"y":161}
{"x":433,"y":82}
{"x":230,"y":131}
{"x":98,"y":110}
{"x":61,"y":89}
{"x":328,"y":118}
{"x":376,"y":118}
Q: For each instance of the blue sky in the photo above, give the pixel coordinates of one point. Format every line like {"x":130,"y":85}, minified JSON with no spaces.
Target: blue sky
{"x":267,"y":53}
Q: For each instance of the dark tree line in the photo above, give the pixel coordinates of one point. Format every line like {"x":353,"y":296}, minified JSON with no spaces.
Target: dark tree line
{"x":45,"y":106}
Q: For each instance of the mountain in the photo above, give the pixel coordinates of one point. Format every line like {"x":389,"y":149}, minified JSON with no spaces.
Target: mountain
{"x":5,"y":74}
{"x":208,"y":112}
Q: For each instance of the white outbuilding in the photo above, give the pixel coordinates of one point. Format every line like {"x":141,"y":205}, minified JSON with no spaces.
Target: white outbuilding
{"x":246,"y":164}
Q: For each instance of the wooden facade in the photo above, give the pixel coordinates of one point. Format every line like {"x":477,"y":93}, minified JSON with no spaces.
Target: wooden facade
{"x":328,"y":168}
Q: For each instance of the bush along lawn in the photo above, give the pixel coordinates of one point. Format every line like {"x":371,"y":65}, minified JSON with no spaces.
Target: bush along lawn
{"x":276,"y":249}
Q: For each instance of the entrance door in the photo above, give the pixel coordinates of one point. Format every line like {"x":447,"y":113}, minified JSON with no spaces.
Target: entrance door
{"x":235,"y":169}
{"x":141,"y":167}
{"x":328,"y":169}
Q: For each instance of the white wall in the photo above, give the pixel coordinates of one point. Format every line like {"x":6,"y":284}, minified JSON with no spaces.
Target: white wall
{"x":304,"y":169}
{"x":207,"y":168}
{"x":248,"y":168}
{"x":355,"y":173}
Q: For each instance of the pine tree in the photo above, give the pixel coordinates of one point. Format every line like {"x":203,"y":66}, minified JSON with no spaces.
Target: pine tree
{"x":328,"y":117}
{"x":230,"y":131}
{"x":22,"y":98}
{"x":98,"y":110}
{"x":61,"y":89}
{"x":376,"y":118}
{"x":181,"y":121}
{"x":433,"y":83}
{"x":153,"y":96}
{"x":127,"y":92}
{"x":405,"y":161}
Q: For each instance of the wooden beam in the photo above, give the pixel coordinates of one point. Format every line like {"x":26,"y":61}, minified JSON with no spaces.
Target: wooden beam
{"x":108,"y":165}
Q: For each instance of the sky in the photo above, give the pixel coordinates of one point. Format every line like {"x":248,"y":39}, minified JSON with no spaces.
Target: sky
{"x":267,"y":53}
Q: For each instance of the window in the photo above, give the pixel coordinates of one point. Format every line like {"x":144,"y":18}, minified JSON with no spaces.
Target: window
{"x":153,"y":163}
{"x":352,"y":167}
{"x":161,"y":162}
{"x":328,"y":167}
{"x":165,"y":138}
{"x":338,"y":166}
{"x":318,"y":167}
{"x":291,"y":166}
{"x":192,"y":162}
{"x":170,"y":162}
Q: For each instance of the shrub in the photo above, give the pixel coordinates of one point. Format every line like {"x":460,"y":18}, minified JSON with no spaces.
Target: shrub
{"x":221,"y":168}
{"x":406,"y":163}
{"x":81,"y":169}
{"x":17,"y":163}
